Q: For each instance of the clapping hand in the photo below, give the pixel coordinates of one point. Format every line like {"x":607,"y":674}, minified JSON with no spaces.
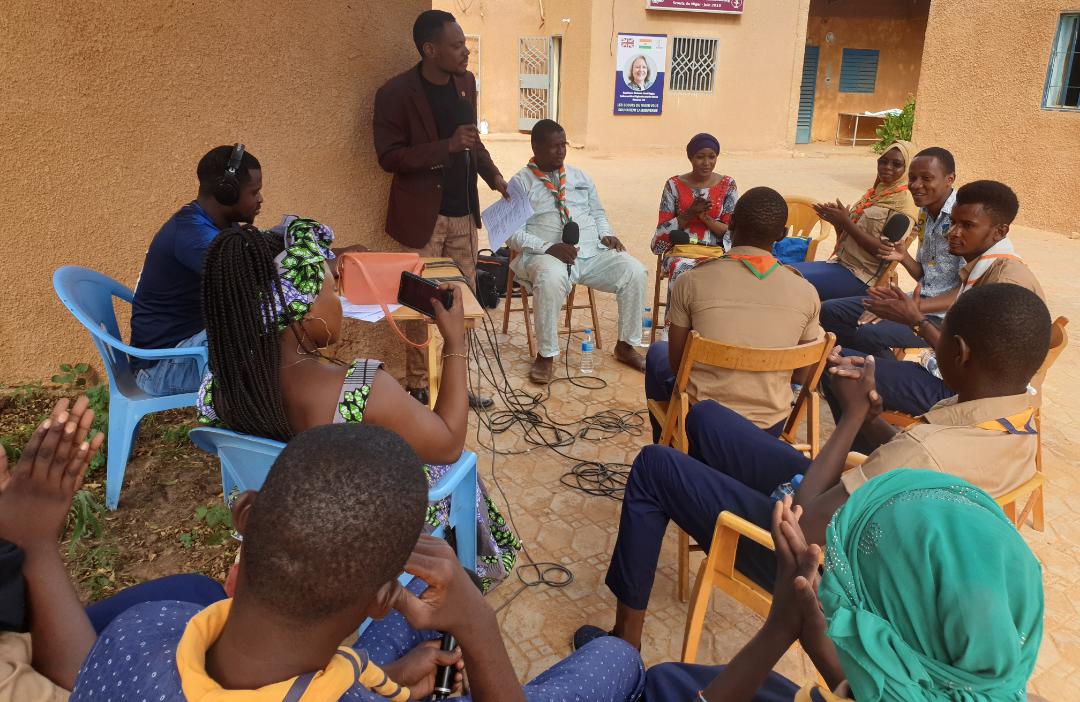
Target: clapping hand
{"x":833,"y":213}
{"x":893,"y":304}
{"x":794,"y":605}
{"x":854,"y":386}
{"x":36,"y":496}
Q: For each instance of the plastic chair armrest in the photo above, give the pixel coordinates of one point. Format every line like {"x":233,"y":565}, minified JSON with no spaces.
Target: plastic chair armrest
{"x":458,"y":472}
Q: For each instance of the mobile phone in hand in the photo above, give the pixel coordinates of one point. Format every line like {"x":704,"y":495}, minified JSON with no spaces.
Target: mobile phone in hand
{"x":416,"y":293}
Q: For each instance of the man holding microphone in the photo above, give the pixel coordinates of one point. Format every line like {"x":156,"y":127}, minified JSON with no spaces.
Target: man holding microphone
{"x":425,"y":134}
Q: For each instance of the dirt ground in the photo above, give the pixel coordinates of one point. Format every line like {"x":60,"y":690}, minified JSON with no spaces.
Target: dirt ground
{"x":158,"y":529}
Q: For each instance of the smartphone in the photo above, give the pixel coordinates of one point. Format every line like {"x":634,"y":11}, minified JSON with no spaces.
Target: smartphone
{"x":416,"y":293}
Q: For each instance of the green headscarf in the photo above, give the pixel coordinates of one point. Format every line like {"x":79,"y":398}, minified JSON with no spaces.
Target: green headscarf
{"x":930,"y":593}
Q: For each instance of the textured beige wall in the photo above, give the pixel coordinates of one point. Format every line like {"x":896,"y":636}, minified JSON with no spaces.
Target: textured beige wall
{"x":108,"y":105}
{"x":752,"y":108}
{"x":980,"y":96}
{"x":895,"y":28}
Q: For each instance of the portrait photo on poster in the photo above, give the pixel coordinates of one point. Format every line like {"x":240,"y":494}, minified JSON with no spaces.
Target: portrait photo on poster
{"x":640,"y":64}
{"x":639,"y":73}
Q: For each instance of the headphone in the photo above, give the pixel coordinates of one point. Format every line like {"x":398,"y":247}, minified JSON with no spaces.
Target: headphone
{"x":227,"y":188}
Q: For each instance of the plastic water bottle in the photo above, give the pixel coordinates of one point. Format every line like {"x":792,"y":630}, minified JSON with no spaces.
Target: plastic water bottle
{"x":587,"y":347}
{"x":646,"y":326}
{"x":787,"y":488}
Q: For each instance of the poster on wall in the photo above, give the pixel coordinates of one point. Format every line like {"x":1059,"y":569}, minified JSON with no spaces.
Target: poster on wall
{"x":725,"y":6}
{"x":640,"y":65}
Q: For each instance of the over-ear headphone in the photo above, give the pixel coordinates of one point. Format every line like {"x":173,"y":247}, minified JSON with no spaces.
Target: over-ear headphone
{"x":227,"y":187}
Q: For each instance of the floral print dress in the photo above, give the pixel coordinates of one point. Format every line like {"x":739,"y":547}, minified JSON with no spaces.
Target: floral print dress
{"x":676,"y":198}
{"x":497,"y":546}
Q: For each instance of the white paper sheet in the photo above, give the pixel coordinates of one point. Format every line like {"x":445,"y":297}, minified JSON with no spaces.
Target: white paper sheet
{"x":505,"y":217}
{"x":365,"y":313}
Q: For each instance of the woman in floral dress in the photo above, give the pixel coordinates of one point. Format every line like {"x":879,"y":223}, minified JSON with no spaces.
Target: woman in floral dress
{"x":272,"y":318}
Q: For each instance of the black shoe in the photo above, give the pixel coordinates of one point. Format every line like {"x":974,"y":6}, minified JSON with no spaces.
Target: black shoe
{"x":420,"y":395}
{"x":587,"y":634}
{"x":480,"y":402}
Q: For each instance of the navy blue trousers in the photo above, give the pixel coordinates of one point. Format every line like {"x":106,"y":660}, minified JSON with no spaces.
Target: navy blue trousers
{"x":660,"y":381}
{"x":669,"y":682}
{"x":736,"y":468}
{"x":831,"y":280}
{"x":197,"y":589}
{"x":841,"y":317}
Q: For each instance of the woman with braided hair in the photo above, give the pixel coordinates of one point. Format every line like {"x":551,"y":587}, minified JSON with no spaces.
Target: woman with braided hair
{"x":272,"y":318}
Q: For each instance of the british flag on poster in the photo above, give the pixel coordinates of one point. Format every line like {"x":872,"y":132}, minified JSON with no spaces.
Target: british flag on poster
{"x":640,"y":65}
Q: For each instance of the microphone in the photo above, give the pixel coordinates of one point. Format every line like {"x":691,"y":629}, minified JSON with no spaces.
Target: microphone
{"x":679,"y":237}
{"x":464,"y":114}
{"x":894,"y":230}
{"x":571,"y":233}
{"x":444,"y":674}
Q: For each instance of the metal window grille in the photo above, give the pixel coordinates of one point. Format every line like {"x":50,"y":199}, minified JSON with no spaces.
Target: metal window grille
{"x":858,"y":70}
{"x":693,"y":65}
{"x":1063,"y":76}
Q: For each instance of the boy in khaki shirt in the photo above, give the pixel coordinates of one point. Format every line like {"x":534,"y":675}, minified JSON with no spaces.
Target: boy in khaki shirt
{"x":984,"y":435}
{"x":981,"y":217}
{"x":746,"y":298}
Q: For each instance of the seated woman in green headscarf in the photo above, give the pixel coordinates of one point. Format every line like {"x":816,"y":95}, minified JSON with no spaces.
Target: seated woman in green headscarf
{"x":928,"y":593}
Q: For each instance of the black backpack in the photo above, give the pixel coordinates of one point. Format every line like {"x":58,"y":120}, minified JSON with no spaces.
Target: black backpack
{"x":492,"y":270}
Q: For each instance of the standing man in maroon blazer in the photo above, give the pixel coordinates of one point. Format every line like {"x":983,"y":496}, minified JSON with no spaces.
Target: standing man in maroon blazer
{"x":426,"y":135}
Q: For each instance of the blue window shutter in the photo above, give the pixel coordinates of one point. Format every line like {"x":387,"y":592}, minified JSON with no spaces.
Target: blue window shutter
{"x":858,"y":70}
{"x":805,"y":121}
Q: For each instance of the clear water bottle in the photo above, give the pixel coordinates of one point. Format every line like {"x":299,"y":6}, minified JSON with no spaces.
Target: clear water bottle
{"x":787,"y":488}
{"x":646,"y":326}
{"x":587,"y":347}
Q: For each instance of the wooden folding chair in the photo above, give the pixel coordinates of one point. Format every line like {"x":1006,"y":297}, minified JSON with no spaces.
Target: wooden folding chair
{"x":1034,"y":506}
{"x":802,"y":219}
{"x":520,"y":293}
{"x":671,"y":415}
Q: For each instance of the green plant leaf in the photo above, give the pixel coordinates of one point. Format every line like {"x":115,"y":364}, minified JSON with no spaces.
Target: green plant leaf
{"x":81,"y":368}
{"x":66,"y":367}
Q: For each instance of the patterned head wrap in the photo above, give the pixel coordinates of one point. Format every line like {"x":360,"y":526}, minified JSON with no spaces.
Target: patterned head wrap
{"x":702,"y":141}
{"x":300,"y":265}
{"x":930,"y":593}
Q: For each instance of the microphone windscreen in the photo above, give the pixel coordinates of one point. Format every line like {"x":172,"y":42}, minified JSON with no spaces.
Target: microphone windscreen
{"x":571,"y":233}
{"x":679,"y":237}
{"x":896,"y":227}
{"x":464,"y":112}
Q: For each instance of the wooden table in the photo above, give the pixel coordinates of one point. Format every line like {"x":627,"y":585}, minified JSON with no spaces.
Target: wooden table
{"x":435,"y":269}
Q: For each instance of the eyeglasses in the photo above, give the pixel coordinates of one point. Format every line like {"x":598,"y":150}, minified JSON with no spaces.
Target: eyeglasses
{"x":895,"y":163}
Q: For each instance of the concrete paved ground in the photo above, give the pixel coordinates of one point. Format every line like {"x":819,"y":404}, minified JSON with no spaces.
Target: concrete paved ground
{"x":565,"y":526}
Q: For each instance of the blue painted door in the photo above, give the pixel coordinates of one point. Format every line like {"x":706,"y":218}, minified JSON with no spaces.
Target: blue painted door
{"x":806,"y":96}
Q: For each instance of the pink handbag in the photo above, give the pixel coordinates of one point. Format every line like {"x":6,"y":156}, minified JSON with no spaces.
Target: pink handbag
{"x":373,"y":278}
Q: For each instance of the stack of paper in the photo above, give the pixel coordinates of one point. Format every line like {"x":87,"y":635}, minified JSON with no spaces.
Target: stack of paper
{"x":365,"y":313}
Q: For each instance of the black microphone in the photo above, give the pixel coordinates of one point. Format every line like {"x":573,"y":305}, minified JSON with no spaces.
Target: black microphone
{"x":894,"y":230}
{"x":679,"y":237}
{"x":571,"y":233}
{"x":444,"y":674}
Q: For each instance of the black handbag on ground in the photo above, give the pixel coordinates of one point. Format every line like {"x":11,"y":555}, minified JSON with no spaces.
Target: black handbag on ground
{"x":492,"y":270}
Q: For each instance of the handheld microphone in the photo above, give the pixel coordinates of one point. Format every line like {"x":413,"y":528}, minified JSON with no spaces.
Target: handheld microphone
{"x":571,"y":233}
{"x":464,"y":114}
{"x":894,"y":230}
{"x":444,"y":674}
{"x":679,"y":237}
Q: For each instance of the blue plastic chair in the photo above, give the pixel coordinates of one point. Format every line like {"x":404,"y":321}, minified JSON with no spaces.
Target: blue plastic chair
{"x":246,"y":460}
{"x":88,"y":295}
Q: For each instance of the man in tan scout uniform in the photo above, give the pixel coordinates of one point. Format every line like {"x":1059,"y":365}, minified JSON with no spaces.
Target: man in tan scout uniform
{"x":746,"y":298}
{"x":981,"y":217}
{"x":993,"y":340}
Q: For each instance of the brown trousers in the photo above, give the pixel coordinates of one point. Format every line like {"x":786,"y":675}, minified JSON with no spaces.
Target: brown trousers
{"x":454,"y":238}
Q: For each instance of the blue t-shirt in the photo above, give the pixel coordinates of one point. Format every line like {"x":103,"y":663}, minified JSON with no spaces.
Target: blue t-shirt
{"x":166,"y":309}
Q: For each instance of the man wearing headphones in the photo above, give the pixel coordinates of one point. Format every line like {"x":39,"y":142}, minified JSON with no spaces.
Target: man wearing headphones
{"x":166,"y":311}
